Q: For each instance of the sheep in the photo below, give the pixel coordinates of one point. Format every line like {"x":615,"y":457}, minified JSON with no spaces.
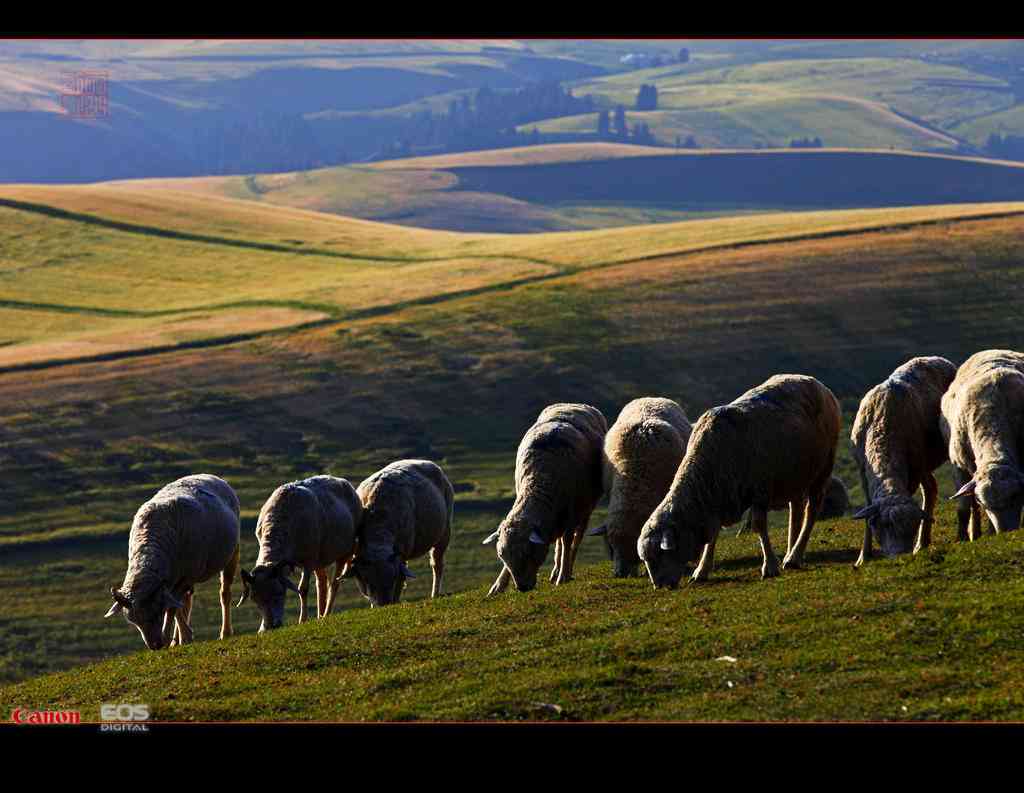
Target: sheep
{"x":642,"y":452}
{"x":310,"y":524}
{"x":772,"y":446}
{"x":983,"y":423}
{"x":558,"y":484}
{"x":184,"y":535}
{"x":897,"y":443}
{"x":408,"y":508}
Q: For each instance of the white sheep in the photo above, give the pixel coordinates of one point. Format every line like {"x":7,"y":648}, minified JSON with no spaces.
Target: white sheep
{"x":897,"y":443}
{"x":408,"y":508}
{"x":558,"y":484}
{"x":642,"y":452}
{"x":185,"y":534}
{"x":774,"y":445}
{"x":983,"y":423}
{"x":310,"y":524}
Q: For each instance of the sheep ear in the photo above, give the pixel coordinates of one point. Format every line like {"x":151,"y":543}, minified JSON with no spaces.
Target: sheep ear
{"x":667,"y":541}
{"x":867,"y":511}
{"x":602,"y":529}
{"x":491,"y":537}
{"x":536,"y":539}
{"x":120,"y":599}
{"x":966,"y":490}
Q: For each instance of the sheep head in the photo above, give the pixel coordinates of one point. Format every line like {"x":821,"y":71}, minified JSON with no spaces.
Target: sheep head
{"x":522,"y":550}
{"x":267,"y":586}
{"x":380,"y":581}
{"x":668,"y":544}
{"x":893,"y":522}
{"x":999,"y":489}
{"x":148,"y":612}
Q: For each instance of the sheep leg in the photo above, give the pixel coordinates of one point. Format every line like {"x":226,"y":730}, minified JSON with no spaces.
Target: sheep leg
{"x":303,"y":592}
{"x":975,"y":527}
{"x":746,"y":525}
{"x":227,"y":578}
{"x":577,"y":541}
{"x":759,"y":520}
{"x":931,"y":495}
{"x":321,"y":592}
{"x":963,"y":505}
{"x":796,"y":511}
{"x":437,"y":567}
{"x":707,"y":559}
{"x":556,"y":568}
{"x":865,"y":548}
{"x":795,"y":558}
{"x":169,"y":629}
{"x":501,"y":582}
{"x":572,"y":541}
{"x":332,"y":591}
{"x":183,"y":632}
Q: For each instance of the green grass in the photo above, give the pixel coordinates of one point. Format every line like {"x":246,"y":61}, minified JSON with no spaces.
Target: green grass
{"x":846,"y":101}
{"x":930,"y":637}
{"x":695,"y":311}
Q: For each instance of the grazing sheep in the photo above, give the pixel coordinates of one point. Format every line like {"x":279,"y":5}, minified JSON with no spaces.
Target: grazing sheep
{"x":184,"y":535}
{"x":642,"y":452}
{"x":897,"y":444}
{"x":558,"y":484}
{"x":407,"y":511}
{"x":311,"y":525}
{"x":983,"y":422}
{"x":774,"y":445}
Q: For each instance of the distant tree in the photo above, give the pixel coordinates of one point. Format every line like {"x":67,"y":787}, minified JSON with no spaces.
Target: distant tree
{"x":603,"y":124}
{"x":620,"y":121}
{"x":679,"y":142}
{"x":534,"y":137}
{"x":817,"y":143}
{"x":657,"y":61}
{"x":691,"y":143}
{"x":647,"y":98}
{"x":642,"y":134}
{"x":684,"y":55}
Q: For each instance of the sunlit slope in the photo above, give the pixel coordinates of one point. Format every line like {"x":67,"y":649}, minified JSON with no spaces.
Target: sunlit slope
{"x":838,"y":121}
{"x":937,"y":97}
{"x":925,"y":638}
{"x":457,"y":379}
{"x":565,"y":187}
{"x":109,"y":272}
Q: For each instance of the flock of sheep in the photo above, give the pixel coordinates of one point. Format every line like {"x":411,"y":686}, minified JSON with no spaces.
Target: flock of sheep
{"x":671,"y":488}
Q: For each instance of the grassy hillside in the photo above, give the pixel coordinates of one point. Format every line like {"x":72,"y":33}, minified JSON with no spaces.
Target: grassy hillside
{"x":695,"y":311}
{"x":826,"y":643}
{"x":855,"y":101}
{"x":593,"y":185}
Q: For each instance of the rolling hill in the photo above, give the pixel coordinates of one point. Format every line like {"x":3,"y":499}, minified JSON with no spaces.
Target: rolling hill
{"x":863,"y":102}
{"x":446,"y":346}
{"x":596,"y":185}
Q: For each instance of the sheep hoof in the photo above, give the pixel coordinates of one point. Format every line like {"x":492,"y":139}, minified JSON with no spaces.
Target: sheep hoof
{"x":770,"y":571}
{"x":792,"y":563}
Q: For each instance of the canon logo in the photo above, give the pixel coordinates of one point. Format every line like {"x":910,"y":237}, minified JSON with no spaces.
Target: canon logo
{"x":22,"y":716}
